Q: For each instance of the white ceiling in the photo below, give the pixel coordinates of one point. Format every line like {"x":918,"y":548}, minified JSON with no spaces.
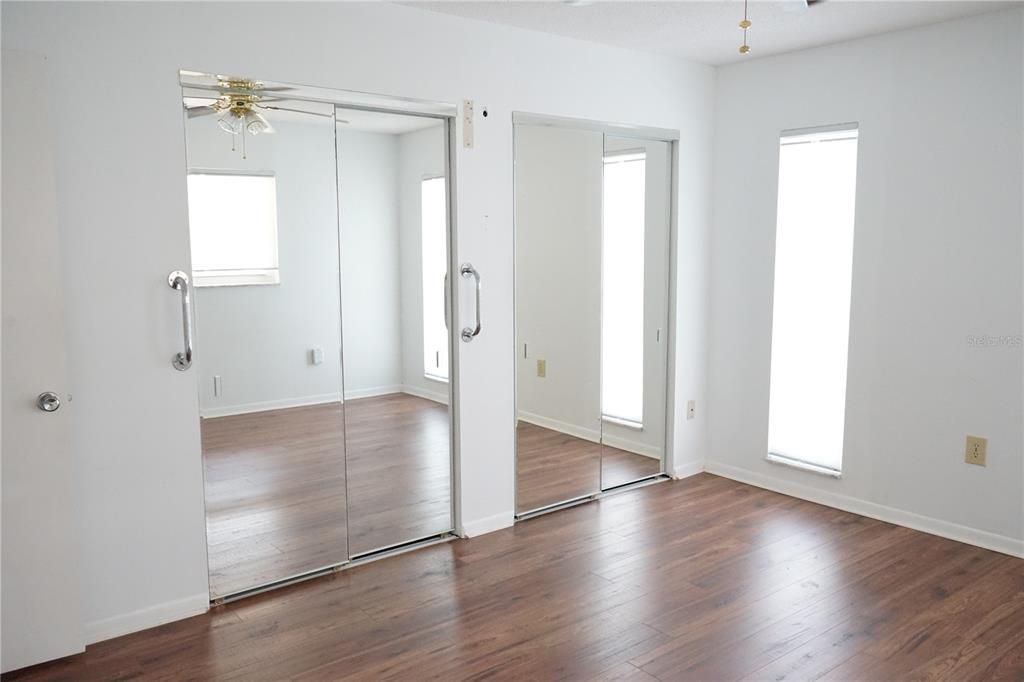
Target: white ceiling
{"x":707,"y":31}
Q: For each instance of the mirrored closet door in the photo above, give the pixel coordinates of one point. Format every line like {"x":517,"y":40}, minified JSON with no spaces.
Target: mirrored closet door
{"x":592,"y":218}
{"x":394,"y":253}
{"x":318,"y":281}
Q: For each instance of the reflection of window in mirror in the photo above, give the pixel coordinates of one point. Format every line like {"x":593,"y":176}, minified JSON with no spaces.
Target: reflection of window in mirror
{"x":433,"y":219}
{"x":622,"y":303}
{"x":232,"y":219}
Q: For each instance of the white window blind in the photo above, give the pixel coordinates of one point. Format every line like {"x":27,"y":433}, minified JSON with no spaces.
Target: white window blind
{"x":811,"y":308}
{"x":233,"y":229}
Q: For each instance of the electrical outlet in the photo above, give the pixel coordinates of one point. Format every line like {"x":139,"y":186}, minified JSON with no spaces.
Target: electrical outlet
{"x":977,"y":450}
{"x":542,"y":368}
{"x":691,"y":409}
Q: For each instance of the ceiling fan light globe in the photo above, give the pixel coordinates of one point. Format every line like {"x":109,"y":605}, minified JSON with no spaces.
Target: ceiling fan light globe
{"x":230,"y":123}
{"x":256,"y":124}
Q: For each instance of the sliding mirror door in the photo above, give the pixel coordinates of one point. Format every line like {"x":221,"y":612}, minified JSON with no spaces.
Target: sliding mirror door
{"x":262,"y":211}
{"x":558,"y":314}
{"x":634,"y":308}
{"x":592,"y":215}
{"x":393,"y":217}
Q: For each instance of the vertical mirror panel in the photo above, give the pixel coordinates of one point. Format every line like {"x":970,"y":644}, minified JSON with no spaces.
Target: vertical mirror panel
{"x":262,"y":210}
{"x":392,"y":205}
{"x":558,"y":314}
{"x":634,"y":308}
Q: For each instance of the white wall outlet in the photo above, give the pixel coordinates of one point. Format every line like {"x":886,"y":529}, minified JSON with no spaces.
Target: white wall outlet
{"x":467,"y":123}
{"x":691,"y":409}
{"x":316,"y":356}
{"x":218,"y":385}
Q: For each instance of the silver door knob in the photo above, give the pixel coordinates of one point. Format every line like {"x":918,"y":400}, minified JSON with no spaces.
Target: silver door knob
{"x":48,"y":402}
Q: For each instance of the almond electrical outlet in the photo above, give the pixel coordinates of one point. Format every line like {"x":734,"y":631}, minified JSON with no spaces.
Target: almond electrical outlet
{"x":542,"y":368}
{"x":977,"y":449}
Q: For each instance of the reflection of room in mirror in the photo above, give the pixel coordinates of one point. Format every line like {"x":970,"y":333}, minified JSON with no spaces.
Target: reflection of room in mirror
{"x":634,"y":307}
{"x":319,"y":260}
{"x":592,"y":231}
{"x":392,"y":206}
{"x":269,"y":348}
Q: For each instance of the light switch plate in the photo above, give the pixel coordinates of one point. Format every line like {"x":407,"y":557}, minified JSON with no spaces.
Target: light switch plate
{"x":467,"y":123}
{"x":542,"y":368}
{"x":691,"y":409}
{"x":977,"y":450}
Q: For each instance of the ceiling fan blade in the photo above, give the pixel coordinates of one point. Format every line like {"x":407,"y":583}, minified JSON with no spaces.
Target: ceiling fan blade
{"x":297,"y":111}
{"x":196,"y":112}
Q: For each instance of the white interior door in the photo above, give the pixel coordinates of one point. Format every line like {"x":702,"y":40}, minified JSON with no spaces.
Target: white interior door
{"x":41,"y":617}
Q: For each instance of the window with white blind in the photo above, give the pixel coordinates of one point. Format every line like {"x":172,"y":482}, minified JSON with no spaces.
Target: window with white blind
{"x":433,"y":225}
{"x":233,"y":228}
{"x":811,"y":304}
{"x":622,"y":288}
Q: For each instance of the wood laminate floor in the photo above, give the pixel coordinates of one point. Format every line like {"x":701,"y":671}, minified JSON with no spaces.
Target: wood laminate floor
{"x":276,"y":485}
{"x":699,"y":579}
{"x":553,"y":467}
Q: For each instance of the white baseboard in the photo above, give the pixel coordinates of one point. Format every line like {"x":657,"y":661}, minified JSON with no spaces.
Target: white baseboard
{"x":592,"y":435}
{"x":487,"y":525}
{"x":900,"y":517}
{"x":686,"y":469}
{"x":630,"y":445}
{"x":248,"y":408}
{"x":355,"y":394}
{"x":436,"y":396}
{"x":372,"y":392}
{"x":149,"y":617}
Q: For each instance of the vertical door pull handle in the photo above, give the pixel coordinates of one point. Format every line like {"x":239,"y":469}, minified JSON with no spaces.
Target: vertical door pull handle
{"x":467,"y":270}
{"x":179,"y":280}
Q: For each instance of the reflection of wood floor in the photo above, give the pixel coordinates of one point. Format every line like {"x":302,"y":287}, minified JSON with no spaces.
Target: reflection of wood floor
{"x":552,"y":467}
{"x":275,"y":485}
{"x":699,"y":579}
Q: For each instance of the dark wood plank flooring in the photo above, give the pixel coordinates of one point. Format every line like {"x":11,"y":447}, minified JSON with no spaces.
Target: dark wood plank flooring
{"x":276,"y":493}
{"x":553,"y":467}
{"x":700,"y":579}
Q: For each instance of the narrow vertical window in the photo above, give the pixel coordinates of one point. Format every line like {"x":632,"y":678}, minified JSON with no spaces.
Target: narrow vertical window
{"x":811,"y":314}
{"x":622,"y":283}
{"x":433,"y":223}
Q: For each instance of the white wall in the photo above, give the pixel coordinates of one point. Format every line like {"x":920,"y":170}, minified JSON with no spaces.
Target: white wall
{"x":937,"y":259}
{"x":371,"y":278}
{"x":421,"y":154}
{"x":121,"y":213}
{"x":258,"y":338}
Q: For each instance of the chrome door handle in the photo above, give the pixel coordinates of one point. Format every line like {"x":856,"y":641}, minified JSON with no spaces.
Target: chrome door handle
{"x":467,"y":270}
{"x":48,"y":401}
{"x":179,"y":280}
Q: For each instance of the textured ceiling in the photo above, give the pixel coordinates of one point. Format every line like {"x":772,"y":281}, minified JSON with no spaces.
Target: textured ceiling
{"x":707,"y":31}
